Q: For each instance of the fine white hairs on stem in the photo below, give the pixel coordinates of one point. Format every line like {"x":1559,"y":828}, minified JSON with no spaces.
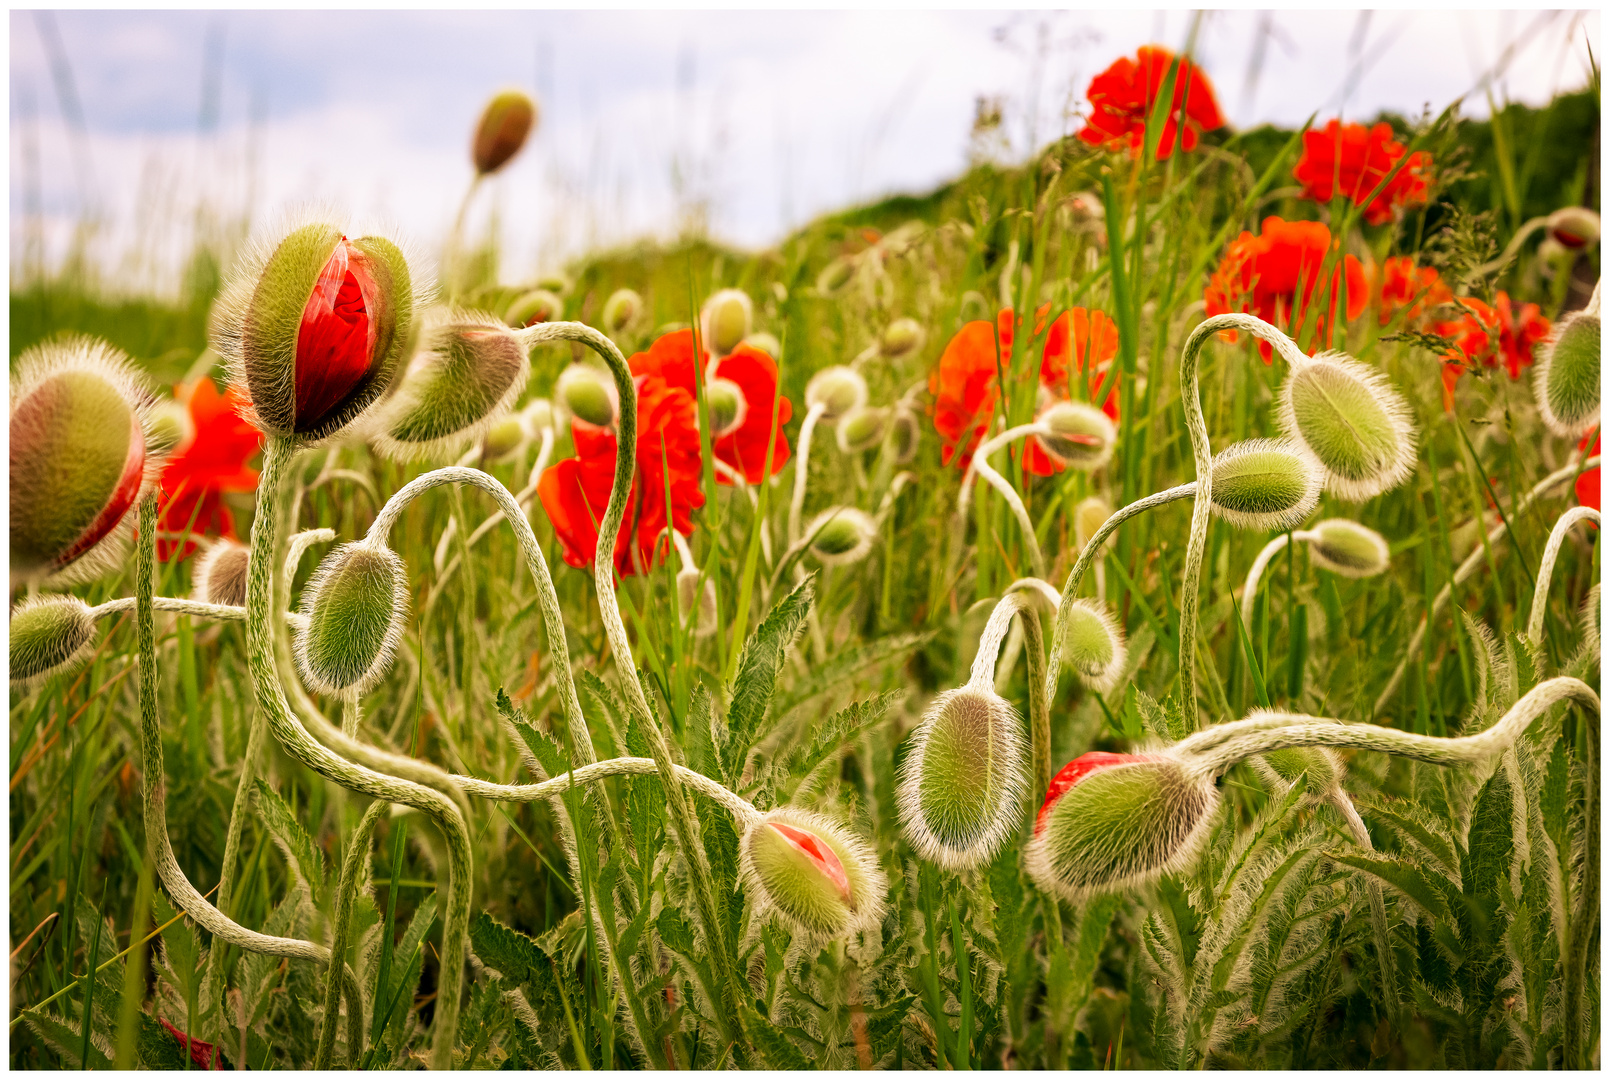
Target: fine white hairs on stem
{"x":355,"y":604}
{"x":812,"y":874}
{"x":1351,"y":418}
{"x":1545,"y":568}
{"x":49,"y":634}
{"x":1266,"y":483}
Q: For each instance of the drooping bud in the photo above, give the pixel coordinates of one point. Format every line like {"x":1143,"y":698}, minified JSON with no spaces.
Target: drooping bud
{"x":726,"y":320}
{"x":536,"y":306}
{"x":819,"y":878}
{"x":557,"y":282}
{"x":505,"y":125}
{"x":907,"y":434}
{"x":1088,"y":518}
{"x":1094,"y":646}
{"x":841,"y":535}
{"x":862,"y":429}
{"x":901,"y":337}
{"x":79,"y":458}
{"x":504,"y":438}
{"x":587,"y":394}
{"x":1574,"y":227}
{"x":687,"y":589}
{"x":1077,"y":435}
{"x":622,"y":310}
{"x":469,"y":372}
{"x":727,"y":405}
{"x":1567,"y":381}
{"x":837,"y":389}
{"x":169,"y":427}
{"x":766,"y":343}
{"x":538,"y":416}
{"x":315,"y":329}
{"x":1108,"y":825}
{"x":1349,"y":417}
{"x":1266,"y":484}
{"x":48,"y":634}
{"x":1347,"y":548}
{"x":963,"y":780}
{"x":219,"y":576}
{"x":834,"y":276}
{"x":355,"y":604}
{"x":1281,"y":768}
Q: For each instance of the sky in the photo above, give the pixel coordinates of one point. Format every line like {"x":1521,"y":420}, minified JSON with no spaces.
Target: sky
{"x":160,"y":125}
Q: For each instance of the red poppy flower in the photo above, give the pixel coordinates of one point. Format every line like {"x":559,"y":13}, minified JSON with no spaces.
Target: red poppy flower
{"x":1519,"y":333}
{"x":1273,"y":276}
{"x":1587,"y":485}
{"x":1075,"y":771}
{"x":1405,"y":285}
{"x":196,"y":477}
{"x":335,"y":343}
{"x":1355,"y":159}
{"x":1122,"y":98}
{"x":1471,"y":337}
{"x":201,"y":1053}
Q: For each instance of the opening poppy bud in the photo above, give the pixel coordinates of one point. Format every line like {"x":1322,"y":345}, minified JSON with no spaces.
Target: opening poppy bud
{"x":1281,"y":768}
{"x":538,"y":415}
{"x":1108,"y":825}
{"x":168,"y":428}
{"x":1568,"y":378}
{"x":834,"y":276}
{"x":1349,"y":417}
{"x":1574,"y":227}
{"x":588,"y":394}
{"x":355,"y":604}
{"x":1094,"y":645}
{"x":503,"y":438}
{"x":316,"y":330}
{"x":862,"y":428}
{"x":1347,"y":548}
{"x":219,"y":576}
{"x":470,"y":371}
{"x":1077,"y":435}
{"x":728,"y":408}
{"x":964,"y":778}
{"x":726,"y":320}
{"x":536,"y":306}
{"x":48,"y":634}
{"x":621,"y":311}
{"x":1088,"y":518}
{"x":506,"y":123}
{"x":1266,"y":484}
{"x":837,"y":389}
{"x":687,"y":585}
{"x":817,"y":877}
{"x":841,"y":535}
{"x":766,"y":343}
{"x":79,"y":458}
{"x":901,"y":337}
{"x":907,"y":435}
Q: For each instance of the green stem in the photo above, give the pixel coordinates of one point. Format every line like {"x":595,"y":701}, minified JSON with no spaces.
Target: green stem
{"x":1545,"y":569}
{"x":357,"y":859}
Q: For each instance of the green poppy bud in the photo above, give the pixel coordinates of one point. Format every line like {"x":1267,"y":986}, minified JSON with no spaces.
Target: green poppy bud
{"x":503,"y":438}
{"x":819,"y":879}
{"x":862,"y":429}
{"x":1349,"y":417}
{"x":727,"y":405}
{"x":1281,"y":768}
{"x":557,"y":282}
{"x":766,"y":343}
{"x":49,"y":634}
{"x":1077,"y":435}
{"x":219,"y":576}
{"x":834,"y":276}
{"x":726,"y":320}
{"x":538,"y":416}
{"x":906,"y":436}
{"x":355,"y":604}
{"x":169,"y":427}
{"x":1094,"y":645}
{"x":1567,"y":381}
{"x":536,"y":306}
{"x":901,"y":337}
{"x":1088,"y":518}
{"x":963,"y":779}
{"x":588,"y":395}
{"x":837,"y":389}
{"x":622,"y":310}
{"x":505,"y":124}
{"x":1574,"y":227}
{"x":1266,"y":484}
{"x":1347,"y":548}
{"x":841,"y":535}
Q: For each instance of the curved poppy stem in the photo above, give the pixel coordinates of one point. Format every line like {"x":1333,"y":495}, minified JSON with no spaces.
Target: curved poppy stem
{"x":743,"y":811}
{"x":985,"y":449}
{"x":357,"y":856}
{"x":1545,"y":569}
{"x":182,"y":606}
{"x":1255,"y":575}
{"x":1034,"y":647}
{"x":802,"y":469}
{"x":980,"y":465}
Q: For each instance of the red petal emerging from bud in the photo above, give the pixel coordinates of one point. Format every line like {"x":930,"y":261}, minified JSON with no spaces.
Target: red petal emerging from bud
{"x":817,"y":852}
{"x":1075,"y":771}
{"x":335,"y":343}
{"x":123,"y":496}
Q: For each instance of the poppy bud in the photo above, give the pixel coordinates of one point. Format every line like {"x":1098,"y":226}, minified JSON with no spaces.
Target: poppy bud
{"x":621,"y":311}
{"x":907,"y":435}
{"x":687,"y":584}
{"x":1282,"y":767}
{"x":1349,"y":417}
{"x":841,"y":535}
{"x":48,"y":634}
{"x":355,"y":604}
{"x":766,"y":343}
{"x":728,"y":408}
{"x":315,"y":329}
{"x":79,"y":457}
{"x":1112,"y":821}
{"x":834,"y":276}
{"x":1077,"y":435}
{"x":963,"y":780}
{"x":817,"y":877}
{"x":169,"y":428}
{"x":1266,"y":484}
{"x":219,"y":576}
{"x":1088,"y":518}
{"x":588,"y":394}
{"x":503,"y":438}
{"x":1347,"y":548}
{"x":1574,"y":227}
{"x":536,"y":306}
{"x":538,"y":415}
{"x":726,"y":320}
{"x":901,"y":337}
{"x":1567,"y":381}
{"x":506,"y":123}
{"x":557,"y":282}
{"x":837,"y":389}
{"x":862,"y":429}
{"x":1094,"y":645}
{"x":1086,"y":206}
{"x":471,"y":369}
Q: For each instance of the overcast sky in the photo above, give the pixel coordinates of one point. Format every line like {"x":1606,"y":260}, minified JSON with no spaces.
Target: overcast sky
{"x":758,"y":121}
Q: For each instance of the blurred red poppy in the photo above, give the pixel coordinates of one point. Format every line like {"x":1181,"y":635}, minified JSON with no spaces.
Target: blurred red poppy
{"x":1354,"y":159}
{"x":196,"y":477}
{"x":1520,"y":331}
{"x":1122,"y":98}
{"x":1587,"y":485}
{"x":1405,"y":285}
{"x":1273,"y":276}
{"x":1472,"y":336}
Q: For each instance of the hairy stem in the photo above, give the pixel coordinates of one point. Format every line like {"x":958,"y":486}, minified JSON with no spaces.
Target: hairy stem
{"x":1274,"y":547}
{"x":357,"y":859}
{"x":1545,"y":569}
{"x":802,"y":469}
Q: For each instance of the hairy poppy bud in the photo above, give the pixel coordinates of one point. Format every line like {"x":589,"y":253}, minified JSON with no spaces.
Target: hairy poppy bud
{"x":1077,"y":435}
{"x":1266,"y":484}
{"x":1574,"y":227}
{"x":901,"y":337}
{"x":504,"y":438}
{"x":726,"y":320}
{"x":536,"y":306}
{"x":862,"y":429}
{"x":1347,"y":548}
{"x":1349,"y":417}
{"x":219,"y":576}
{"x":588,"y":394}
{"x":841,"y":535}
{"x":687,"y":590}
{"x":1088,"y":518}
{"x":79,"y":458}
{"x":315,"y":329}
{"x":1567,"y":381}
{"x":1282,"y":767}
{"x":48,"y":634}
{"x":964,"y":778}
{"x":622,"y":310}
{"x":506,"y":123}
{"x":470,"y":370}
{"x":1094,"y":645}
{"x":355,"y":604}
{"x":1086,"y":206}
{"x":837,"y":389}
{"x":169,"y":427}
{"x":834,"y":276}
{"x":819,"y":878}
{"x":1112,"y":821}
{"x":766,"y":343}
{"x":538,"y":415}
{"x":907,"y":434}
{"x":727,"y":405}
